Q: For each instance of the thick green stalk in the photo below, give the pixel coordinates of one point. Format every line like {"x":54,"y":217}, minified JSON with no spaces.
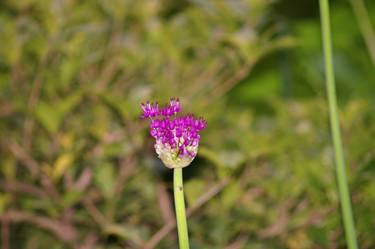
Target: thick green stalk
{"x":179,"y":203}
{"x":335,"y":129}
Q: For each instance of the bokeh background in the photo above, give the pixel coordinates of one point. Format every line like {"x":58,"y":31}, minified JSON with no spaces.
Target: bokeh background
{"x":78,"y":169}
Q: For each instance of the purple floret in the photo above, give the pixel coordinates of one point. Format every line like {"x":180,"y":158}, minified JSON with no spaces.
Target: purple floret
{"x":150,"y":110}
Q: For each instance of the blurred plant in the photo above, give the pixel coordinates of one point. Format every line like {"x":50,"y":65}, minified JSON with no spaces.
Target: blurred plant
{"x":72,"y":152}
{"x":72,"y":75}
{"x":364,"y":22}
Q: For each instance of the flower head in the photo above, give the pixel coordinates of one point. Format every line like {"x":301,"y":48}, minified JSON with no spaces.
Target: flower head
{"x":177,"y":138}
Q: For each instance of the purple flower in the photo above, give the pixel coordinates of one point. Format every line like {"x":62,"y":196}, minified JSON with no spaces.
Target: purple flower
{"x":177,"y":138}
{"x":150,"y":110}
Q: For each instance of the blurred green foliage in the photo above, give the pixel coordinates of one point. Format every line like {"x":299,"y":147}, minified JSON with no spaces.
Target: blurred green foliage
{"x":78,"y":168}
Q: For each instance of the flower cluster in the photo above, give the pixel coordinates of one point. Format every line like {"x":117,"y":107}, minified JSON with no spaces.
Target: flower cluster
{"x":177,"y":138}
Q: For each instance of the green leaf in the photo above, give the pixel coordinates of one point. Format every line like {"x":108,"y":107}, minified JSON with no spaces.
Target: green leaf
{"x":51,"y":115}
{"x":231,"y":193}
{"x":70,"y":198}
{"x":105,"y":179}
{"x":193,"y":190}
{"x":5,"y":199}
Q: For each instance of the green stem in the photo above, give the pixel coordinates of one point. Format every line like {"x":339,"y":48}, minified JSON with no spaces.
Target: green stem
{"x":335,"y":129}
{"x":180,"y":208}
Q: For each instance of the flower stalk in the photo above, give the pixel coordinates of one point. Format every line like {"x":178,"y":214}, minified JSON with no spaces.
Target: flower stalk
{"x":179,"y":201}
{"x":335,"y":129}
